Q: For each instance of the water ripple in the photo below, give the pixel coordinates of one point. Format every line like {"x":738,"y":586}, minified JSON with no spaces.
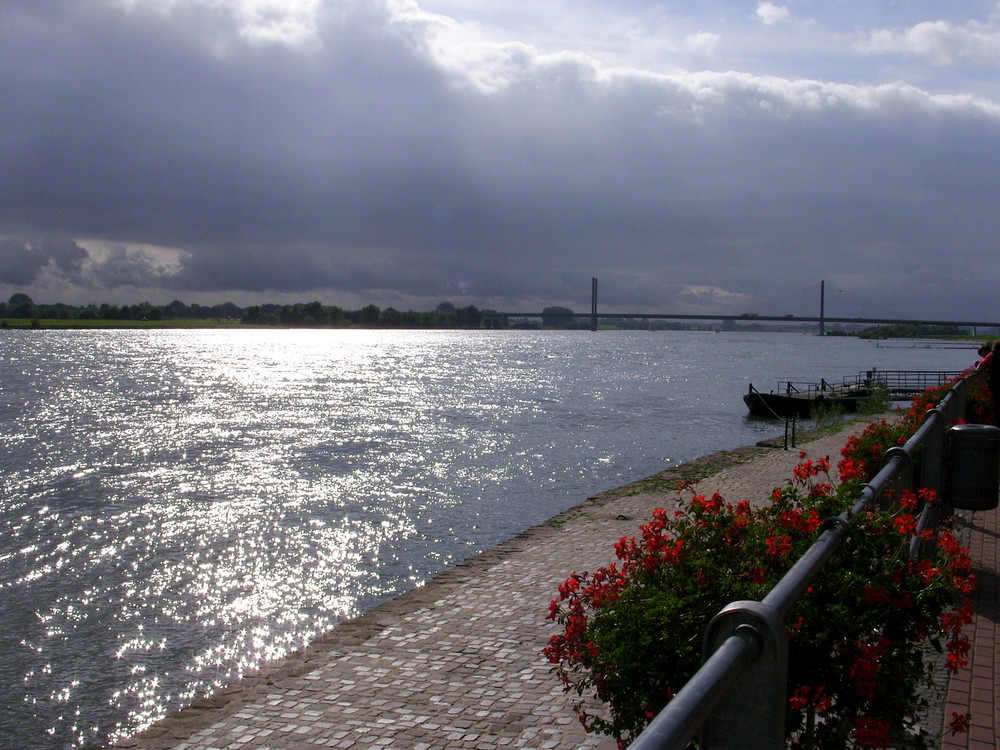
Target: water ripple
{"x":182,"y":507}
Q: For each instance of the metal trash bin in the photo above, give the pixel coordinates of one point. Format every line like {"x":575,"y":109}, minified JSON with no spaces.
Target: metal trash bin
{"x":974,"y":477}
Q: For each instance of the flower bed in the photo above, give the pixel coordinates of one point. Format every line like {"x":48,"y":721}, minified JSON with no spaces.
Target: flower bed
{"x":632,"y":631}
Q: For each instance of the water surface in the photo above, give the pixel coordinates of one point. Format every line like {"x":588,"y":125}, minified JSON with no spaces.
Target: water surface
{"x":180,"y":506}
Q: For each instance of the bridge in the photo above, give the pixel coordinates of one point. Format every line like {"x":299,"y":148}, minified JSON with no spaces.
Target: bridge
{"x":822,"y":318}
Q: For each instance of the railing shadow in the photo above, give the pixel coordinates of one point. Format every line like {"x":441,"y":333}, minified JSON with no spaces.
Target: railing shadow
{"x":985,"y":599}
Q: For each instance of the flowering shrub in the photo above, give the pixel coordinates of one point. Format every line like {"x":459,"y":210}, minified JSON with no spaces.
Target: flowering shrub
{"x":862,"y":455}
{"x":981,"y":406}
{"x":632,"y":631}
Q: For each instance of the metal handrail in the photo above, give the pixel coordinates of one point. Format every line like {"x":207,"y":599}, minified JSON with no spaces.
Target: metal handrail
{"x":900,"y":384}
{"x":733,"y":699}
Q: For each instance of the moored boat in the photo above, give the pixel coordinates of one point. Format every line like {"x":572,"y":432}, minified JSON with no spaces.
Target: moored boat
{"x":801,"y":403}
{"x":797,"y":399}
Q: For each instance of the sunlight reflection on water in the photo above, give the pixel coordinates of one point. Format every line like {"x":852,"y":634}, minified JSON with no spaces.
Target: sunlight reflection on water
{"x":183,"y":506}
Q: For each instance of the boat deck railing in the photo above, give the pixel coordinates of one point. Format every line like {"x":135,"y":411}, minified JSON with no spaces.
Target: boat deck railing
{"x":899,"y":384}
{"x":904,"y":384}
{"x":811,"y":390}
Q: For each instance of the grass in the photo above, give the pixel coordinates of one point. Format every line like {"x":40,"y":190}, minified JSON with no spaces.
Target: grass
{"x":826,"y":414}
{"x":876,"y":402}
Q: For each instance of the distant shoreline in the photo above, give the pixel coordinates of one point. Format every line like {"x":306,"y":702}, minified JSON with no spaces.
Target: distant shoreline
{"x":205,"y":324}
{"x":97,"y":325}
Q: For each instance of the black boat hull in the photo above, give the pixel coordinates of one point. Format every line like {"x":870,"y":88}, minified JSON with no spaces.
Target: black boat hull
{"x":780,"y":406}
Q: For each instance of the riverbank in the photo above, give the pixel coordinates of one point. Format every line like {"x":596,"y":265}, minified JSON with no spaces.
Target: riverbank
{"x":456,"y":663}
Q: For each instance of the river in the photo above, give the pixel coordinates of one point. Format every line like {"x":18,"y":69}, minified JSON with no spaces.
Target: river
{"x":180,"y":506}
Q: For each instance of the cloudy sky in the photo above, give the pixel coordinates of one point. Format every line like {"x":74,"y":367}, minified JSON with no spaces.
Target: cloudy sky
{"x":695,"y":156}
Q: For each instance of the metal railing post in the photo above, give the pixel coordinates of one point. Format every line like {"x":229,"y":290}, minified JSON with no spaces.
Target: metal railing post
{"x":961,"y":401}
{"x":683,"y":717}
{"x":933,"y":467}
{"x":902,"y":477}
{"x":761,"y":685}
{"x":789,"y":432}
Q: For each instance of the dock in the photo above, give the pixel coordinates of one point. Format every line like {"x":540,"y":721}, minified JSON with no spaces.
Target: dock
{"x":799,"y":399}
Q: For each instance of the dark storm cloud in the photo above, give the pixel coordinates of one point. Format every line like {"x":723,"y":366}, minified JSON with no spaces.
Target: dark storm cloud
{"x":126,"y":124}
{"x":362,"y":157}
{"x":23,"y":263}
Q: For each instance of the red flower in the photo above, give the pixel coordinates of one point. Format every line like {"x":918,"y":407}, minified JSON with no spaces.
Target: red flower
{"x":568,"y":586}
{"x":821,"y":489}
{"x":864,"y":669}
{"x":926,"y":570}
{"x":711,"y":505}
{"x":624,"y":548}
{"x":803,"y":471}
{"x":958,"y":647}
{"x":779,"y":546}
{"x":849,"y":469}
{"x":871,"y":732}
{"x":953,"y":622}
{"x":959,"y":723}
{"x":875,"y":595}
{"x":805,"y":696}
{"x":797,"y":520}
{"x":905,"y":525}
{"x":707,"y":546}
{"x":908,"y":500}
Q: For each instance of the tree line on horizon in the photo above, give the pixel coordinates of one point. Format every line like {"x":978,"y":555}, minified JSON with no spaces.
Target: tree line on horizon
{"x":298,"y":315}
{"x":445,"y":315}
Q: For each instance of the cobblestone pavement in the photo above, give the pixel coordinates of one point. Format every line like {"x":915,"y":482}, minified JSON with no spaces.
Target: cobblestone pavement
{"x":456,"y":663}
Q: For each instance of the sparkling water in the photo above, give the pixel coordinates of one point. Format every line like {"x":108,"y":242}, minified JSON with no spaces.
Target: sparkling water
{"x":179,"y":507}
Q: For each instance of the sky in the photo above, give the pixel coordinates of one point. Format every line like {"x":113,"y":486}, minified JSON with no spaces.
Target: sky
{"x":708,"y":156}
